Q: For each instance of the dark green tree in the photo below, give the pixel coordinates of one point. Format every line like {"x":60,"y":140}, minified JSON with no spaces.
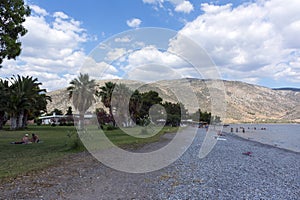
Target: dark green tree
{"x":135,"y":105}
{"x":4,"y":93}
{"x":105,"y":94}
{"x":69,"y":111}
{"x":56,"y":111}
{"x":149,"y":99}
{"x":175,"y":112}
{"x":12,"y":14}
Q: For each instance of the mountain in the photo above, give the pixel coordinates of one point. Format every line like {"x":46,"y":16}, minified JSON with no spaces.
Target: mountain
{"x":245,"y":102}
{"x":291,"y":89}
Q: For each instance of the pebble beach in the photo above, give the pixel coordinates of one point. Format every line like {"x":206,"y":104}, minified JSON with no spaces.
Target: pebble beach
{"x":227,"y":172}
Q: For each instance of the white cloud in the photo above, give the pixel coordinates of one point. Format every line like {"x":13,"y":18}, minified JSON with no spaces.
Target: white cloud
{"x":210,"y":8}
{"x":50,"y":49}
{"x":252,"y":39}
{"x":60,"y":15}
{"x":151,"y":54}
{"x":98,"y":70}
{"x":151,"y":64}
{"x":38,"y":10}
{"x":123,"y":39}
{"x":156,"y":3}
{"x":134,"y":23}
{"x":185,"y":7}
{"x":115,"y":54}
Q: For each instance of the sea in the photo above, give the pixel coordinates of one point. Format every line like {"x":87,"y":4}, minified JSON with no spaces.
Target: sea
{"x":286,"y":136}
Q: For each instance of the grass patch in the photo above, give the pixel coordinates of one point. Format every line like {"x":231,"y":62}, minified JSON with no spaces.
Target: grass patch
{"x":126,"y":138}
{"x":57,"y":142}
{"x":20,"y":158}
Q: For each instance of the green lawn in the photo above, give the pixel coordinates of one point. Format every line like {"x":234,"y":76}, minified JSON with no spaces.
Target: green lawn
{"x":20,"y":158}
{"x":57,"y":142}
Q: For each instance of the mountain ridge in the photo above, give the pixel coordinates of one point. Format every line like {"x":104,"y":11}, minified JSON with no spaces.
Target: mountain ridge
{"x":245,"y":102}
{"x":288,"y":88}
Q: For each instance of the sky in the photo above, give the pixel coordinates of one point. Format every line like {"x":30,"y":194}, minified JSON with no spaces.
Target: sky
{"x":251,"y":41}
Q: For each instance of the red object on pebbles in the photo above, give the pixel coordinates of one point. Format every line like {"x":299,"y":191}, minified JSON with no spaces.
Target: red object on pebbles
{"x":248,"y":153}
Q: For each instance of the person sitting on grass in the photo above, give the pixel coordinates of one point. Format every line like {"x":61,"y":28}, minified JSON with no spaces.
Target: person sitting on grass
{"x":25,"y":140}
{"x":35,"y":138}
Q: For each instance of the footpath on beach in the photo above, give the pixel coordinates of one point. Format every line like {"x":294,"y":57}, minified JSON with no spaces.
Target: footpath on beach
{"x":228,"y":172}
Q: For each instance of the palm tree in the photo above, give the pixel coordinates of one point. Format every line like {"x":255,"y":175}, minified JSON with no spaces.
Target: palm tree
{"x":120,"y":101}
{"x":82,"y":91}
{"x":17,"y":102}
{"x":39,"y":107}
{"x":25,"y":97}
{"x":106,"y":94}
{"x":4,"y":93}
{"x":135,"y":105}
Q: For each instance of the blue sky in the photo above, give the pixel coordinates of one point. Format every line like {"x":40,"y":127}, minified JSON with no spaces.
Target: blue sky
{"x":251,"y":41}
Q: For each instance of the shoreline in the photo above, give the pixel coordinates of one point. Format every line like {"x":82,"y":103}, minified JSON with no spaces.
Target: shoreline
{"x":258,"y":142}
{"x":284,"y":136}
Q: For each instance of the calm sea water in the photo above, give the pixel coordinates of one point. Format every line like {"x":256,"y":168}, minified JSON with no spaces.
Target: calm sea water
{"x":285,"y":136}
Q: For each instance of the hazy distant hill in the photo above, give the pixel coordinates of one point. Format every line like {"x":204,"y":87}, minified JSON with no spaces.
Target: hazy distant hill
{"x":245,"y":102}
{"x":291,"y":89}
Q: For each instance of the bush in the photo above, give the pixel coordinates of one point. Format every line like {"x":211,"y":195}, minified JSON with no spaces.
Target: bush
{"x":74,"y":141}
{"x":111,"y":127}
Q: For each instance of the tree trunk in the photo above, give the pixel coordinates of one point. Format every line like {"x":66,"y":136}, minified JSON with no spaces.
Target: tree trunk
{"x":25,"y":119}
{"x":112,"y":117}
{"x":13,"y":122}
{"x":81,"y":121}
{"x":20,"y":119}
{"x":2,"y":119}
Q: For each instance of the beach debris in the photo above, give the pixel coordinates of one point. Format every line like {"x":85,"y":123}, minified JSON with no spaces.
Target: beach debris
{"x":220,"y":138}
{"x":248,"y":153}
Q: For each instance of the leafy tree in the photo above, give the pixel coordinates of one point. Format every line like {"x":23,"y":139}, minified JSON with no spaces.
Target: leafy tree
{"x":82,"y":91}
{"x":148,"y":100}
{"x":69,"y":117}
{"x":69,"y":111}
{"x":175,"y":112}
{"x":216,"y":120}
{"x":102,"y":116}
{"x":12,"y":14}
{"x":4,"y":93}
{"x":206,"y":117}
{"x":56,"y":111}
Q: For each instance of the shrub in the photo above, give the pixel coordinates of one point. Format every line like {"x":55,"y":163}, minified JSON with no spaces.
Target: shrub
{"x":111,"y":127}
